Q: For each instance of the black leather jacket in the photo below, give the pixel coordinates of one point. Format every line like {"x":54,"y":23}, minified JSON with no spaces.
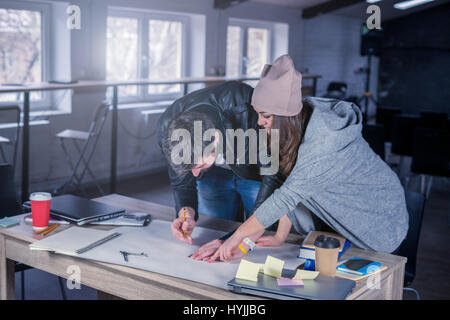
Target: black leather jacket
{"x":229,"y":104}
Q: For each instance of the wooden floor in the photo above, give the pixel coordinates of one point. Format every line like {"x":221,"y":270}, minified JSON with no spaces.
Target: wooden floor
{"x":433,"y":264}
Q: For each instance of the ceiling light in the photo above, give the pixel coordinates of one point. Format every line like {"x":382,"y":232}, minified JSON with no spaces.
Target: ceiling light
{"x":409,"y":4}
{"x":372,"y":1}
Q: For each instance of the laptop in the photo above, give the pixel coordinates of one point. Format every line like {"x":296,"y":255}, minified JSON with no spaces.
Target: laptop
{"x":321,"y":288}
{"x":81,"y":210}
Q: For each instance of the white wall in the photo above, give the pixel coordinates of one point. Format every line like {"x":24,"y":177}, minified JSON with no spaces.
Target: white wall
{"x":331,"y":48}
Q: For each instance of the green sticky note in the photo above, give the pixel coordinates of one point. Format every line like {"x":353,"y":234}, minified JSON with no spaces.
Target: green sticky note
{"x":273,"y":267}
{"x":247,"y":271}
{"x":7,"y":222}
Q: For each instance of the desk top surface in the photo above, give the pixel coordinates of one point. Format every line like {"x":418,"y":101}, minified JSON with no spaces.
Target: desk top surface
{"x":24,"y":232}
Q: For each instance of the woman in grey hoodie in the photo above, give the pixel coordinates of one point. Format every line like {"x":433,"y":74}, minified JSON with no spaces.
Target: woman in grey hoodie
{"x":331,"y":171}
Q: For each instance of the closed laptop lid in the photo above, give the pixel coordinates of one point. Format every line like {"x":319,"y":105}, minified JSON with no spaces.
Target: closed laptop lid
{"x":321,"y":288}
{"x":78,"y":209}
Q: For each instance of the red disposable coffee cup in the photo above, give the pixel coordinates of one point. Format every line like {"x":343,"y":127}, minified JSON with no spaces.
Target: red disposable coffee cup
{"x":40,"y":209}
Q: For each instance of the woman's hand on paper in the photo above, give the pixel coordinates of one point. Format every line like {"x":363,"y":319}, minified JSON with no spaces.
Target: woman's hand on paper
{"x":236,"y":253}
{"x":207,"y":250}
{"x":284,"y":227}
{"x":270,"y":241}
{"x":183,"y":226}
{"x":229,"y":250}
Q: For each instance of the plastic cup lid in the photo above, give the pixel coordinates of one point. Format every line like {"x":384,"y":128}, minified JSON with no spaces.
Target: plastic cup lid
{"x":325,"y":242}
{"x":40,"y":196}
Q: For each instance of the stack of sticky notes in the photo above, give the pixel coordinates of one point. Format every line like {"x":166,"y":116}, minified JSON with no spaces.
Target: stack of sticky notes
{"x":248,"y":271}
{"x":273,"y":267}
{"x":286,"y":282}
{"x":306,"y":275}
{"x":7,"y":222}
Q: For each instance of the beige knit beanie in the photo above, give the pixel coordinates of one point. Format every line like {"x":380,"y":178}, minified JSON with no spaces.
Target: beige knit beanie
{"x":279,"y":90}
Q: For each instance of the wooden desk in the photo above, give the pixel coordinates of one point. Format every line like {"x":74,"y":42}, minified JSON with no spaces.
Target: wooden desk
{"x":128,"y":283}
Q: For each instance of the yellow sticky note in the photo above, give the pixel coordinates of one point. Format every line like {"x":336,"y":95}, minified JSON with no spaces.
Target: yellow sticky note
{"x":273,"y":267}
{"x":305,"y":275}
{"x":247,"y":271}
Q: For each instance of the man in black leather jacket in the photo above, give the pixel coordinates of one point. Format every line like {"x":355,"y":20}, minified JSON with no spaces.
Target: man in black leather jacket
{"x":228,"y":107}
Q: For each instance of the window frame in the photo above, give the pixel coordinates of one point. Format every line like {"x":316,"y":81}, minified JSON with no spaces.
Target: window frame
{"x":45,"y":10}
{"x":144,"y":41}
{"x":244,"y":26}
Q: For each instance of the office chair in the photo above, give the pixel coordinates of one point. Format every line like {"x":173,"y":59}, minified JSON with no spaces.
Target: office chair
{"x":434,"y":120}
{"x":385,"y":116}
{"x":89,"y":139}
{"x":10,"y":207}
{"x":431,"y":156}
{"x":415,"y":203}
{"x":336,"y":90}
{"x":10,"y":114}
{"x":402,"y":133}
{"x":374,"y":135}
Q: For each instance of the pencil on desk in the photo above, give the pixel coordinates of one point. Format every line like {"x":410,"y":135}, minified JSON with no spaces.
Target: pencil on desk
{"x":48,"y":230}
{"x":43,"y":230}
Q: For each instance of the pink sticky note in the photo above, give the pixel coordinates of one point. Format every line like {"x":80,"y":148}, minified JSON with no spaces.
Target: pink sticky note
{"x":286,"y":282}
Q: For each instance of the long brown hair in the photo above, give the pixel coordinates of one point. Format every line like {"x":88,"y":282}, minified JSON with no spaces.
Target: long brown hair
{"x":292,"y":130}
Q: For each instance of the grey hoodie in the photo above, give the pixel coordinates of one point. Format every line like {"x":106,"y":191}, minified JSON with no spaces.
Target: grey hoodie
{"x":342,"y":181}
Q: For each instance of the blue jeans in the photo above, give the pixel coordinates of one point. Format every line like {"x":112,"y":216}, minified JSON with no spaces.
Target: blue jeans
{"x":220,"y":193}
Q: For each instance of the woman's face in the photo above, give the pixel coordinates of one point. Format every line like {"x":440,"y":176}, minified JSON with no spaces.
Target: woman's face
{"x":265,"y":120}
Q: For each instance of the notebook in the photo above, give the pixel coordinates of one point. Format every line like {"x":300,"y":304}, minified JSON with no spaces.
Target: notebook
{"x":7,"y":222}
{"x":73,"y":240}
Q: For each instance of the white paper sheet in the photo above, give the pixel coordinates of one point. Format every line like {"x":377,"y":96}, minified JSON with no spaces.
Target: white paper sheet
{"x":167,"y":255}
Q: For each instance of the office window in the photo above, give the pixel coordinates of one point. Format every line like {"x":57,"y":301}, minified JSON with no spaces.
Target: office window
{"x":233,"y":51}
{"x":21,"y":50}
{"x":122,"y":52}
{"x":165,"y":52}
{"x":145,"y":45}
{"x":257,"y":50}
{"x":248,"y":47}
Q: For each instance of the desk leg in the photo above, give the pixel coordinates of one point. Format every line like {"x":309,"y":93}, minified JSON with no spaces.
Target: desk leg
{"x":185,"y":89}
{"x":6,"y":273}
{"x":397,"y":283}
